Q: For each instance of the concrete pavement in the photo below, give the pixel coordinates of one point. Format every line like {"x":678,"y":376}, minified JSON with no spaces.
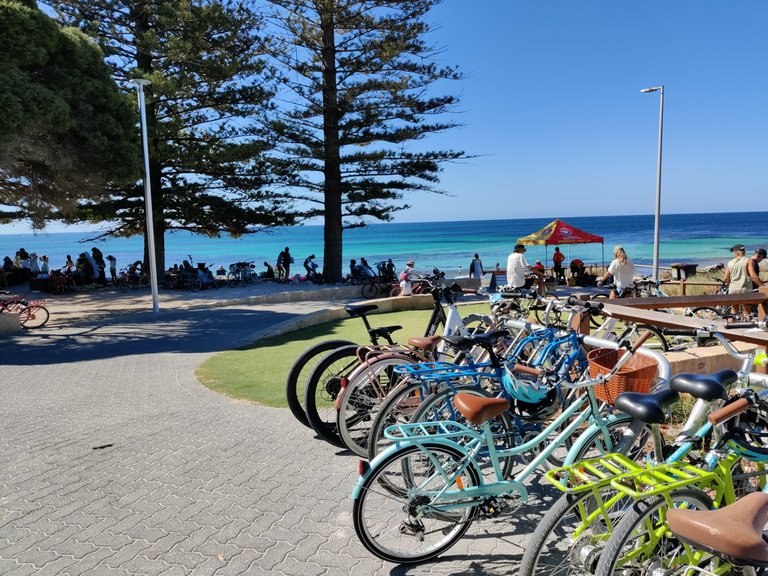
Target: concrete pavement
{"x":115,"y":460}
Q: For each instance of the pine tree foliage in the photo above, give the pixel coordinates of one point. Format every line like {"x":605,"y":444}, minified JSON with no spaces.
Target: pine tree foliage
{"x":66,"y":130}
{"x":358,"y":102}
{"x":210,"y":88}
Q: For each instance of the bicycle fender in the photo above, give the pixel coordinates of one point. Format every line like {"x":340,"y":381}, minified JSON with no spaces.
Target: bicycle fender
{"x":376,"y":462}
{"x":590,"y":432}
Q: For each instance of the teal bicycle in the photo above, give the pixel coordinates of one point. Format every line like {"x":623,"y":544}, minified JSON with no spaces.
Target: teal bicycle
{"x":418,"y":498}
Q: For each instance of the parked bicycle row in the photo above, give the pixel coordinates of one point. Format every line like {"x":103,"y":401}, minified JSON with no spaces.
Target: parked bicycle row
{"x":452,"y":429}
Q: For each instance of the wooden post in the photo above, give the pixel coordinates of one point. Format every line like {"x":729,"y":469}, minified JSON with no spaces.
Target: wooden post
{"x":682,"y":287}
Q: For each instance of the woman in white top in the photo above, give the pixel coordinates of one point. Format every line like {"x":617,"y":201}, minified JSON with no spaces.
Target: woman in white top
{"x":623,"y":271}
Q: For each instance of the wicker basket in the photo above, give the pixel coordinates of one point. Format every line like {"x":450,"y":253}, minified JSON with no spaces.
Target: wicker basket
{"x":634,"y":376}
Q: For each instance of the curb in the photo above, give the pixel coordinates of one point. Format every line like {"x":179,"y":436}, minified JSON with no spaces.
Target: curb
{"x":396,"y":304}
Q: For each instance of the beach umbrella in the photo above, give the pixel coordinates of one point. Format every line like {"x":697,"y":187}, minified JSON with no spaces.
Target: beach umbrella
{"x":560,"y":232}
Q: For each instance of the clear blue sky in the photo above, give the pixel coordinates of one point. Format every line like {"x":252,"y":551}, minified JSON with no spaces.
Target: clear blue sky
{"x":552,"y":106}
{"x":552,"y":102}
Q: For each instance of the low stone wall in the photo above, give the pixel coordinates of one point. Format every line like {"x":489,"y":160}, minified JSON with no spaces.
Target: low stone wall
{"x":706,"y":359}
{"x":330,"y":314}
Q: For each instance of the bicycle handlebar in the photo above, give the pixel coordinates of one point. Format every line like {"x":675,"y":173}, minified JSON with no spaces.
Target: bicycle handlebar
{"x":761,"y":324}
{"x":730,"y":411}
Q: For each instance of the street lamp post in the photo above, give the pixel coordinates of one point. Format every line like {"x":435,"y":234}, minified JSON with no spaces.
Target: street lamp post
{"x":659,"y":89}
{"x":140,"y":83}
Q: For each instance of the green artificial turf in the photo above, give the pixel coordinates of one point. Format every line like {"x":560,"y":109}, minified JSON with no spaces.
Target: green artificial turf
{"x":258,"y":374}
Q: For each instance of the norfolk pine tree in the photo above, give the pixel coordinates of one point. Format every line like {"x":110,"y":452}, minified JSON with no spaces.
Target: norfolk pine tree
{"x":65,"y":128}
{"x":210,"y":87}
{"x":358,"y":82}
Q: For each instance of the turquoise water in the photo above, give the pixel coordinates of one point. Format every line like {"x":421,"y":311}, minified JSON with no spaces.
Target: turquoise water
{"x":697,"y":238}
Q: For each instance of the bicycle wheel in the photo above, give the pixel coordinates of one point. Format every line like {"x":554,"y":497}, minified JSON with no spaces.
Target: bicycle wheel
{"x":122,"y":283}
{"x":554,"y":318}
{"x":370,"y":290}
{"x":706,"y":313}
{"x":300,"y":372}
{"x":196,"y":285}
{"x":642,"y":538}
{"x":232,"y":280}
{"x":367,"y":388}
{"x":33,"y":316}
{"x":406,"y":526}
{"x":571,"y":534}
{"x":657,"y":340}
{"x":323,"y":386}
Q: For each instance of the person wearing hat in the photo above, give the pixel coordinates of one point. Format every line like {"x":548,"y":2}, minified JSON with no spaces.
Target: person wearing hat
{"x":405,"y":279}
{"x":519,"y":271}
{"x":736,"y":275}
{"x":753,"y":267}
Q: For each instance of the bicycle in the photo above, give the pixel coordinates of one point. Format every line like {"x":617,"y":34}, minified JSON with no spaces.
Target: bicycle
{"x":573,"y":532}
{"x":642,"y":536}
{"x":32,"y":313}
{"x":559,"y":355}
{"x":356,"y":380}
{"x":434,"y":474}
{"x":310,"y":357}
{"x":240,"y":273}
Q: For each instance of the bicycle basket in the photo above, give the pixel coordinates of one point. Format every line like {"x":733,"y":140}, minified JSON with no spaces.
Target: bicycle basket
{"x":634,"y":376}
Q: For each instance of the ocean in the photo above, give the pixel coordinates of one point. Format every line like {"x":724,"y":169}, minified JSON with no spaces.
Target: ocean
{"x":702,"y":239}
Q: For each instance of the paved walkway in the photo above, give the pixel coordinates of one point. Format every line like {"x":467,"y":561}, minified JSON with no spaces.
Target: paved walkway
{"x":115,"y":460}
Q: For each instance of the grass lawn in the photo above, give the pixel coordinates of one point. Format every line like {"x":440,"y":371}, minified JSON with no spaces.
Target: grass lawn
{"x":258,"y":373}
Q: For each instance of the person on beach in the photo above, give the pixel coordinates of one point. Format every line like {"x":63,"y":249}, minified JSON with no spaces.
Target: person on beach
{"x":283,"y":265}
{"x":539,"y":266}
{"x":753,"y":267}
{"x":623,"y":271}
{"x":557,"y":265}
{"x":406,"y":289}
{"x":476,"y":267}
{"x":737,"y":276}
{"x":112,"y":268}
{"x":69,"y":265}
{"x":269,"y":273}
{"x":44,"y":269}
{"x":520,"y":274}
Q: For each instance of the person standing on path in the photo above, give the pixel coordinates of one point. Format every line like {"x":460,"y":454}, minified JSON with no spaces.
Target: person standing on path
{"x":736,"y":275}
{"x":557,"y":264}
{"x":753,"y":267}
{"x":476,"y":267}
{"x":623,"y":271}
{"x":284,"y":261}
{"x":520,"y":274}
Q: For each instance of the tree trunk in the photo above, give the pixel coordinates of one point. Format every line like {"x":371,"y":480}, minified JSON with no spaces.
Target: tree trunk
{"x":333,"y":227}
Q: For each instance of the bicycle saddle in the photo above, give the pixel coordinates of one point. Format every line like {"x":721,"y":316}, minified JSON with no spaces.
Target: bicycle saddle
{"x":734,"y":532}
{"x":648,"y":408}
{"x":704,"y":386}
{"x":479,"y":409}
{"x":426,"y":343}
{"x":359,"y":310}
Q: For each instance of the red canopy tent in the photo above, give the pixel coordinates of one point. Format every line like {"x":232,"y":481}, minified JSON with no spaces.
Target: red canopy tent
{"x":560,"y":232}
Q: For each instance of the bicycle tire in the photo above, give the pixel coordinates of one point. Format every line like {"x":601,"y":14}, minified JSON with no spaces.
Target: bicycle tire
{"x":363,"y":398}
{"x":555,"y":317}
{"x":397,"y":408}
{"x":554,"y":548}
{"x":123,"y":285}
{"x":370,"y":290}
{"x":323,"y":386}
{"x":370,"y":519}
{"x":657,"y":339}
{"x":595,"y":445}
{"x":197,"y":285}
{"x":300,"y":372}
{"x":33,"y":316}
{"x":633,"y":527}
{"x":707,"y":313}
{"x":232,"y":280}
